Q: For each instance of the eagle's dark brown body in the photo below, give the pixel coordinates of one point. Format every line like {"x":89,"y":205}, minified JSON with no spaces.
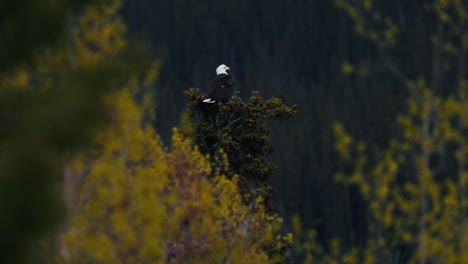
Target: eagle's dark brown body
{"x":222,"y":88}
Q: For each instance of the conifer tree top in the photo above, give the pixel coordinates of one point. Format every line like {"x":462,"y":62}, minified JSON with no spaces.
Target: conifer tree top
{"x":238,"y":130}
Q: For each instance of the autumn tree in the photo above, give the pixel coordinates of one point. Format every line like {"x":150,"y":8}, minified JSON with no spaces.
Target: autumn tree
{"x":133,"y":201}
{"x":415,"y":189}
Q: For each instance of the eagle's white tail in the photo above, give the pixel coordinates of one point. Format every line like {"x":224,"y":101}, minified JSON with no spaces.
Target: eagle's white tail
{"x":209,"y":101}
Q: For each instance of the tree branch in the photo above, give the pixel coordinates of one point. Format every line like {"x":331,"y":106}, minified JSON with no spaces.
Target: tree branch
{"x":233,"y":122}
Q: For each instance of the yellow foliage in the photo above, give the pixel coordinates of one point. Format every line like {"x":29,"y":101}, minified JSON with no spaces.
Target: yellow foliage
{"x":343,"y":141}
{"x":419,"y":208}
{"x":347,"y":68}
{"x":96,"y":39}
{"x":137,"y":203}
{"x":99,"y":34}
{"x":367,"y":4}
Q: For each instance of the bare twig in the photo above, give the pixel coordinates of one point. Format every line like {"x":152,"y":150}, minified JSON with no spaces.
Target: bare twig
{"x":233,"y":122}
{"x":393,"y":68}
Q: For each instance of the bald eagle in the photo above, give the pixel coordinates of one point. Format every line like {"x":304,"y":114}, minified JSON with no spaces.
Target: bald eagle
{"x":222,"y":86}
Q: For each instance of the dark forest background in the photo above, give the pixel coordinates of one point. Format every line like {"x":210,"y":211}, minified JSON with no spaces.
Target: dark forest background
{"x":297,"y":51}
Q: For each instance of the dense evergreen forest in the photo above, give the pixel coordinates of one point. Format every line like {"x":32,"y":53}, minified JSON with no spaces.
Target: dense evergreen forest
{"x":347,"y":142}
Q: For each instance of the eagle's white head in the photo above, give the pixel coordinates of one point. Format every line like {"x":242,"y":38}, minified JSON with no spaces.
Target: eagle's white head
{"x":222,"y":69}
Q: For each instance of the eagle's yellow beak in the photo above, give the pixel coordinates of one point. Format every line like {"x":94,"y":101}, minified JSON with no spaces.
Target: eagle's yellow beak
{"x":227,"y":68}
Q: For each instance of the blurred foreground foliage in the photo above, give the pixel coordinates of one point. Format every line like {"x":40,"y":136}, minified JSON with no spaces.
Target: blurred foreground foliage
{"x":53,"y":82}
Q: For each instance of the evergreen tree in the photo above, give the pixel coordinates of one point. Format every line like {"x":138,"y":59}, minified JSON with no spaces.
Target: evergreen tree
{"x":239,"y":131}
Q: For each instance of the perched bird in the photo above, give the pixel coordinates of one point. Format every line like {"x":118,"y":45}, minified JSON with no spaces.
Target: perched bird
{"x":222,"y":86}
